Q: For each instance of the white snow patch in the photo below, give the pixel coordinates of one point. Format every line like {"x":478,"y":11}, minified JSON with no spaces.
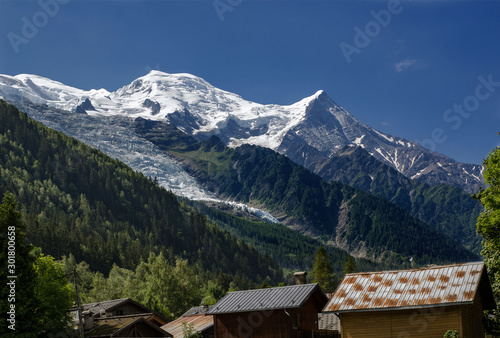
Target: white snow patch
{"x":390,"y":139}
{"x":358,"y":140}
{"x":421,"y":172}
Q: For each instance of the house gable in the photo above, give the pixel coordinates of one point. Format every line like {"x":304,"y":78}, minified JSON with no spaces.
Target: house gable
{"x":406,"y":289}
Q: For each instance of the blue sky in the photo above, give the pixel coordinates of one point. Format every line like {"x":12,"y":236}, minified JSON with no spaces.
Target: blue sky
{"x":427,"y":71}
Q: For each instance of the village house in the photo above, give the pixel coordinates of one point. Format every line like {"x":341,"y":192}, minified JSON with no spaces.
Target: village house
{"x":288,"y":311}
{"x":425,"y":302}
{"x":120,"y":318}
{"x":196,"y":319}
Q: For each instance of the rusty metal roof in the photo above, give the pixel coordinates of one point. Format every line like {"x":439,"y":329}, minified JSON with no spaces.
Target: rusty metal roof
{"x":108,"y":326}
{"x":285,"y":297}
{"x":444,"y":285}
{"x":200,"y":323}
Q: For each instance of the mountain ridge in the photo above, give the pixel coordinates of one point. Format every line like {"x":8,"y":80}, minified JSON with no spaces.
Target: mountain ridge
{"x":358,"y":222}
{"x":202,"y":110}
{"x":75,"y":199}
{"x":439,"y":205}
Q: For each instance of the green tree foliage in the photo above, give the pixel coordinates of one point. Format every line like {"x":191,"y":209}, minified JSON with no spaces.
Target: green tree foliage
{"x":448,"y":209}
{"x":451,"y":334}
{"x":350,"y":265}
{"x":260,"y":176}
{"x":54,"y":294}
{"x":488,"y":226}
{"x":188,"y":331}
{"x":488,"y":223}
{"x":292,"y":250}
{"x":323,"y":271}
{"x":76,"y":200}
{"x":17,"y":296}
{"x":169,"y":289}
{"x":42,"y":295}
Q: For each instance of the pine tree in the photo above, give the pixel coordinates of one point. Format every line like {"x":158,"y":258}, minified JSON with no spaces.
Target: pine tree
{"x":350,"y":265}
{"x":17,"y":301}
{"x":323,"y":271}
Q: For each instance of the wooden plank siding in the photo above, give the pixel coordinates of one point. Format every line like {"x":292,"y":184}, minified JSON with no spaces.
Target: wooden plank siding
{"x":424,"y":322}
{"x":269,"y":324}
{"x":253,"y":324}
{"x":281,"y":312}
{"x":472,"y":316}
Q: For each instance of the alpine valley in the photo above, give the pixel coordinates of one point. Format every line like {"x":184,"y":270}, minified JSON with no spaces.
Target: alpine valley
{"x":310,"y":166}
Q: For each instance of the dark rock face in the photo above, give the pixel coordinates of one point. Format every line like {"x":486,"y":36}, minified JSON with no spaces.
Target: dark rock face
{"x":85,"y":106}
{"x":155,"y":106}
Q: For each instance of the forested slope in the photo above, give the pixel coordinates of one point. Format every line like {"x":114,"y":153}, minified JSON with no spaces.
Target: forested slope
{"x":74,"y":199}
{"x":448,"y":209}
{"x":351,"y":219}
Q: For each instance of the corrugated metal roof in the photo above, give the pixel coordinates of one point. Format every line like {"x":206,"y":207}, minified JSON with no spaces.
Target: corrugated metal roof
{"x":285,"y":297}
{"x":104,"y":306}
{"x":200,"y":323}
{"x":448,"y":284}
{"x":196,"y":310}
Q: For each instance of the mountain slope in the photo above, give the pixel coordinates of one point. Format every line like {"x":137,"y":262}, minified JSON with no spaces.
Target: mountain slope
{"x":314,"y":124}
{"x":74,"y":199}
{"x":292,"y":250}
{"x":448,"y":209}
{"x":327,"y":128}
{"x":362,"y":224}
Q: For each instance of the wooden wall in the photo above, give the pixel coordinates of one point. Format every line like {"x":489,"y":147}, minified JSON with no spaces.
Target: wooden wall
{"x":127,"y":309}
{"x":253,"y":324}
{"x":472,"y":319}
{"x":429,"y":323}
{"x":268,"y":324}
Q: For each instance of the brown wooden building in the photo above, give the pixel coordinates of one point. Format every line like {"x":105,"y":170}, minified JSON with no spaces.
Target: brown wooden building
{"x":120,"y":318}
{"x":287,"y":312}
{"x":424,"y":302}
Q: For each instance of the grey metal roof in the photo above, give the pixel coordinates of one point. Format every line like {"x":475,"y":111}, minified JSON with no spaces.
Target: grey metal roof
{"x":104,"y":306}
{"x":430,"y":286}
{"x":196,"y":310}
{"x":285,"y":297}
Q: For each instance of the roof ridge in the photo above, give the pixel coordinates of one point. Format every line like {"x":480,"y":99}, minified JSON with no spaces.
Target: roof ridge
{"x":415,"y":269}
{"x":274,"y":288}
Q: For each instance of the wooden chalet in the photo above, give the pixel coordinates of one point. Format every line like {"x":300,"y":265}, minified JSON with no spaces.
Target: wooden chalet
{"x":423,"y":302}
{"x":197,"y":319}
{"x":120,"y":318}
{"x":289,"y":311}
{"x":125,"y":326}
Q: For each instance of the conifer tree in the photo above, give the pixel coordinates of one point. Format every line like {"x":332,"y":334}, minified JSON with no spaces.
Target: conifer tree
{"x":17,"y":304}
{"x":350,"y":265}
{"x":35,"y":295}
{"x":323,"y":271}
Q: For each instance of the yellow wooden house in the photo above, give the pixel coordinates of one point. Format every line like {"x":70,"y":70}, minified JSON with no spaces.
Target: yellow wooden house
{"x":424,"y":302}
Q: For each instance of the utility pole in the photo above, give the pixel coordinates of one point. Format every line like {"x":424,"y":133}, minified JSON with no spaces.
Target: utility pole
{"x":78,"y":305}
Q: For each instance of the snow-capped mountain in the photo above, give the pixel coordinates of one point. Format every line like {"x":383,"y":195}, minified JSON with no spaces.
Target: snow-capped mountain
{"x":327,"y":127}
{"x":314,"y":126}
